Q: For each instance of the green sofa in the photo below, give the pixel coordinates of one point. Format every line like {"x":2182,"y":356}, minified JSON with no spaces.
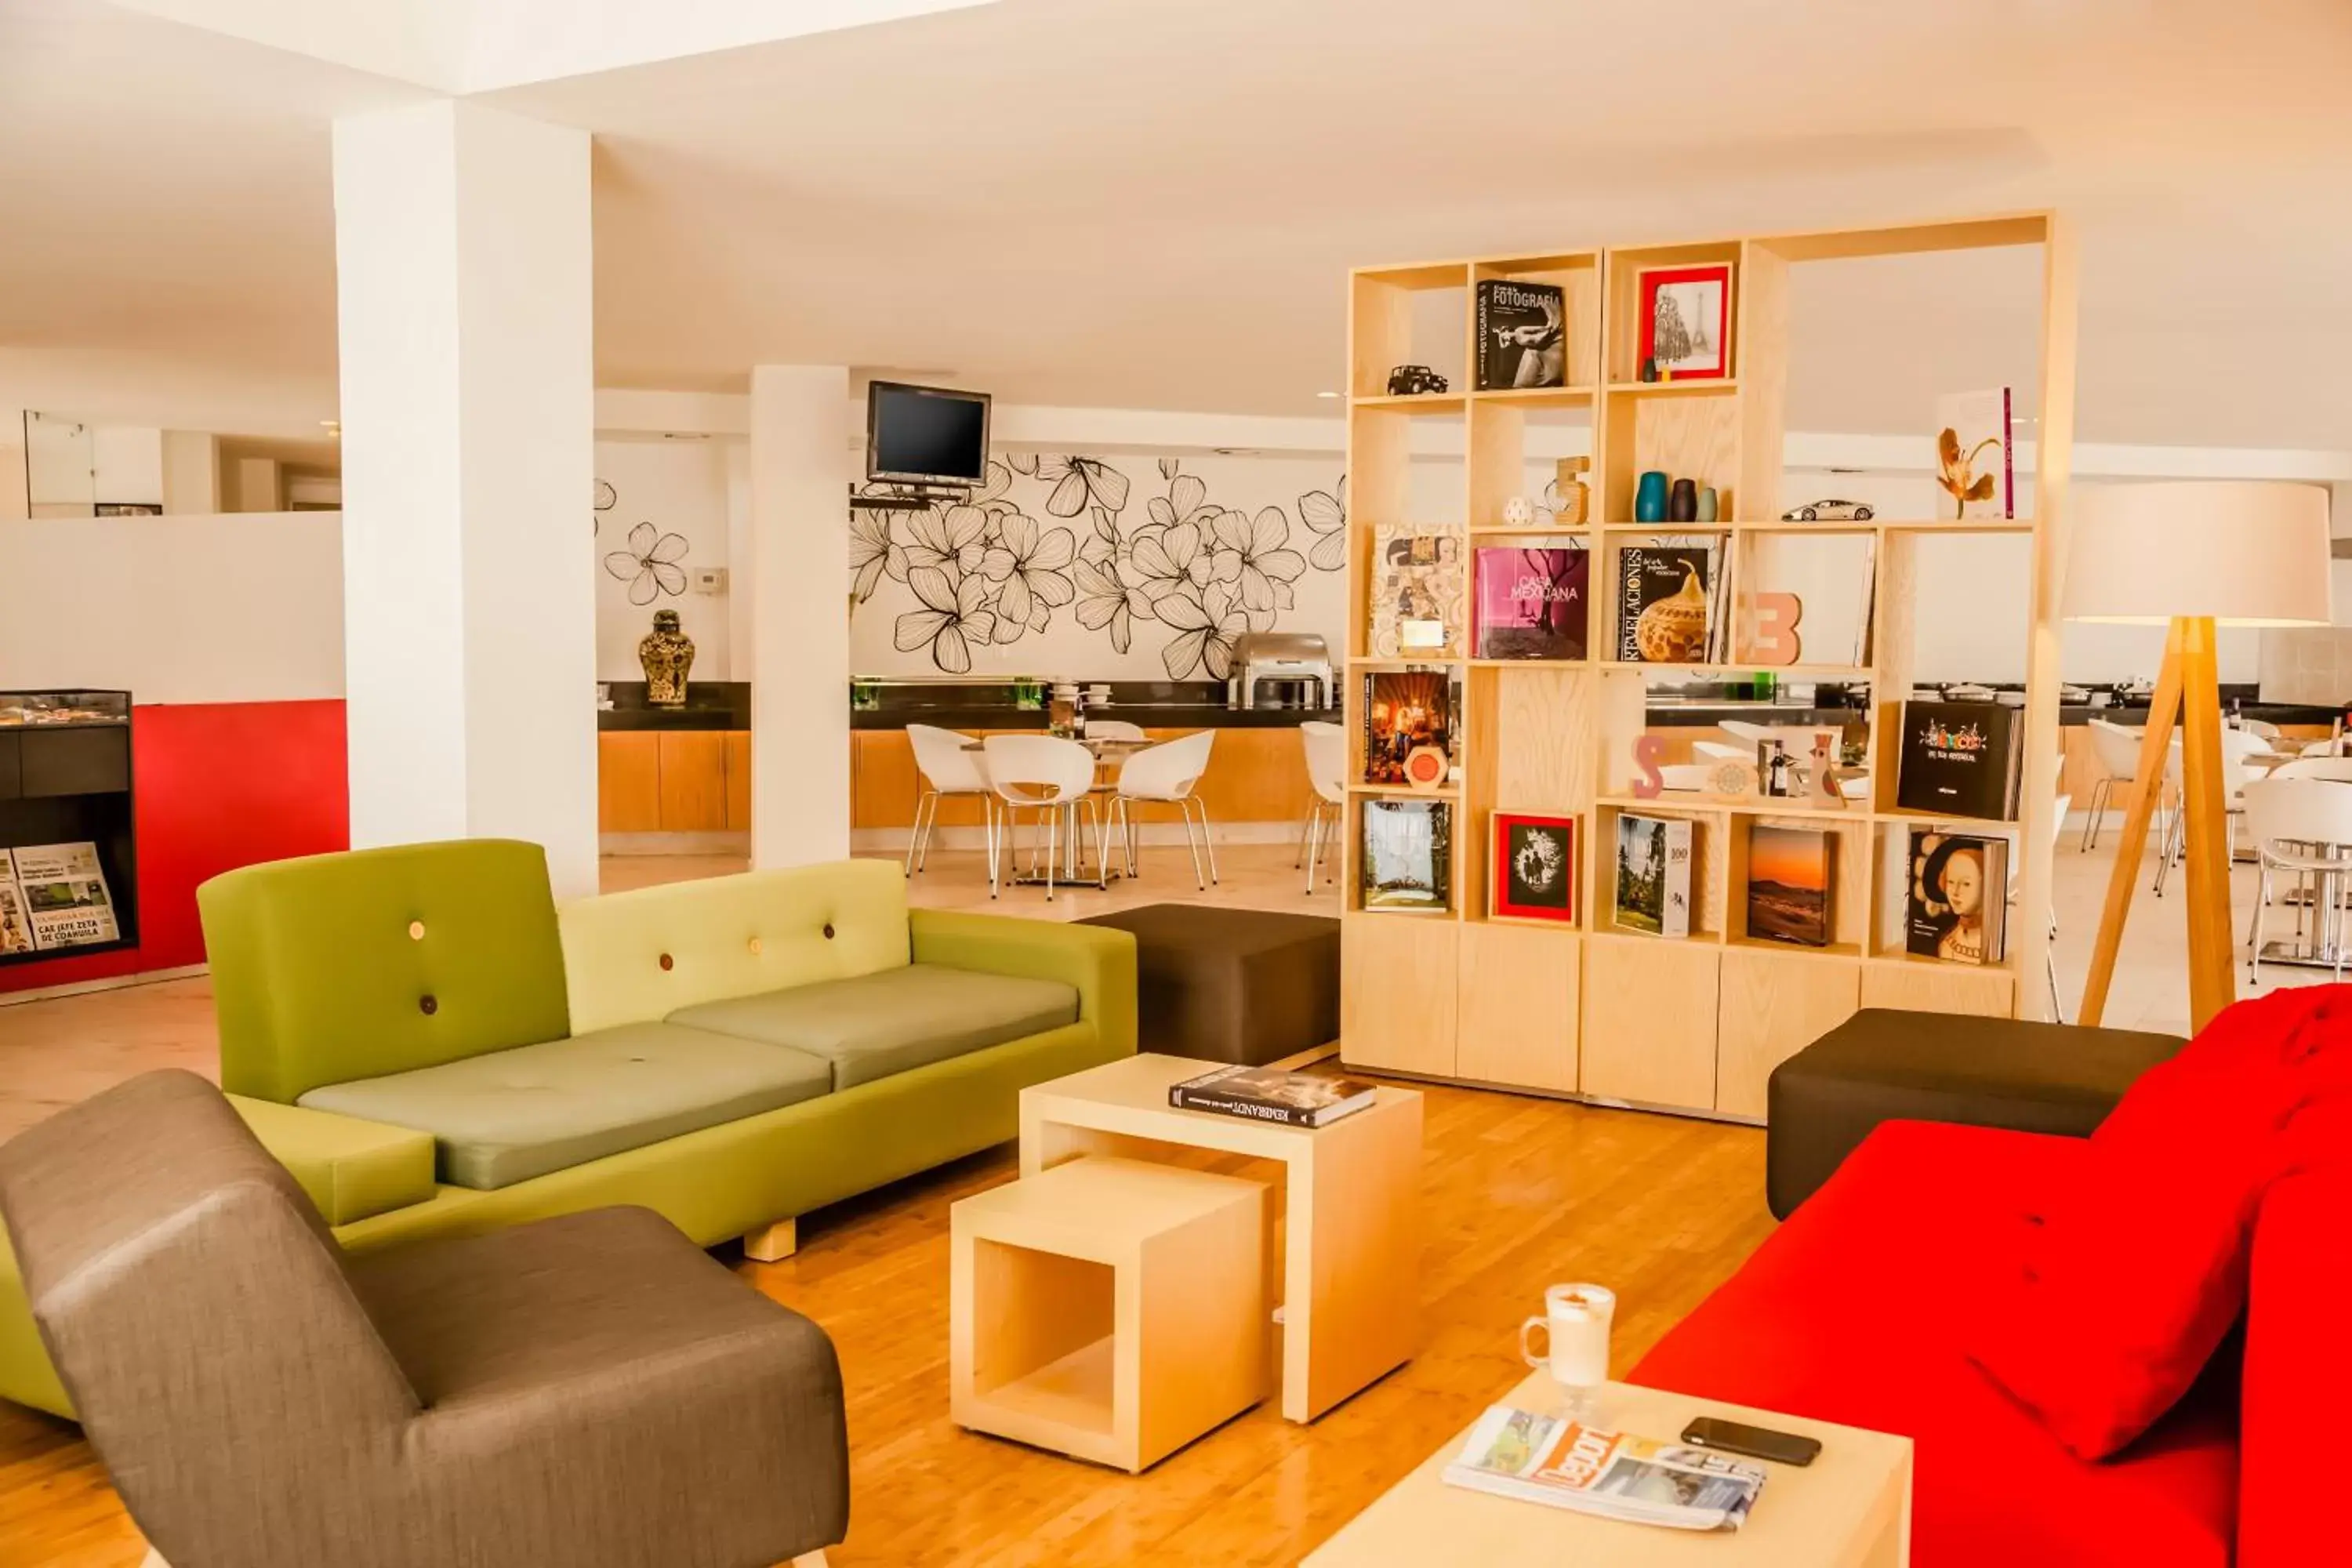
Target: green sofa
{"x":432,"y":1047}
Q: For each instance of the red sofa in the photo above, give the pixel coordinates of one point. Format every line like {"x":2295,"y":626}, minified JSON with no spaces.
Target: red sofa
{"x":1854,"y":1312}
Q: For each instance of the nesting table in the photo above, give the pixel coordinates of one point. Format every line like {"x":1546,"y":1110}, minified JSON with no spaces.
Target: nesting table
{"x":1342,"y":1241}
{"x":1851,"y":1507}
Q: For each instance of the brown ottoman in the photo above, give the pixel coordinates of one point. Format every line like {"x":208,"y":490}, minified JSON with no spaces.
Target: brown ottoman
{"x":1887,"y":1066}
{"x":1232,"y":985}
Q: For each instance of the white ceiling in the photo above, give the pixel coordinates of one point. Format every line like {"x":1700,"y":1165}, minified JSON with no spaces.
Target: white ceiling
{"x":1152,"y":202}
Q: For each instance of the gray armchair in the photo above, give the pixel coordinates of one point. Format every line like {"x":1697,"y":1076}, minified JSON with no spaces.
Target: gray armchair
{"x":588,"y":1392}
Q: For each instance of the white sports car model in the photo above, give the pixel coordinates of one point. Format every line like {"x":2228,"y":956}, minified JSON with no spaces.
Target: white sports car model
{"x":1828,"y":512}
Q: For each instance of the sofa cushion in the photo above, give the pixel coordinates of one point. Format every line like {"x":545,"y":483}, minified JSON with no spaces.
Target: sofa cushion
{"x":878,"y":1024}
{"x":509,"y":1116}
{"x":639,"y":956}
{"x":328,"y":968}
{"x":1857,"y":1311}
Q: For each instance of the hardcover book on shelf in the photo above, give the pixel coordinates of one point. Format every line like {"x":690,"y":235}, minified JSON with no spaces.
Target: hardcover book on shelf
{"x":1959,"y":759}
{"x":1404,"y":711}
{"x":1534,"y":873}
{"x":1791,"y":876}
{"x":1408,"y":855}
{"x":1271,"y":1094}
{"x":1418,"y":589}
{"x":1530,"y":604}
{"x":1666,"y":611}
{"x":1959,"y":899}
{"x":1522,"y":334}
{"x":1975,"y":476}
{"x":1653,"y":874}
{"x":65,"y":895}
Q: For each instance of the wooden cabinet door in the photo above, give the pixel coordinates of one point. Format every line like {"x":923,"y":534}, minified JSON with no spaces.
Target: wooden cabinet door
{"x":1774,"y":1006}
{"x":693,"y":781}
{"x":739,"y":781}
{"x":1518,"y":1022}
{"x":628,"y":782}
{"x":1649,"y":1020}
{"x":1398,"y":981}
{"x":1931,"y":987}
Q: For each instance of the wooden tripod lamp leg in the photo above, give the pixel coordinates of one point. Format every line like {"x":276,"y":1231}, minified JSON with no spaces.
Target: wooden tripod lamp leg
{"x":2213,"y":980}
{"x":2155,"y":751}
{"x":2187,"y":691}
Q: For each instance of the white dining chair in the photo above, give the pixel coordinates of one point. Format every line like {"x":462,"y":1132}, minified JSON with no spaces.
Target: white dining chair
{"x":2116,"y":751}
{"x":1114,"y":730}
{"x":1717,"y":751}
{"x":1052,"y":777}
{"x":2327,"y":748}
{"x":1168,"y":774}
{"x":946,"y":769}
{"x":2237,"y":772}
{"x":1326,"y":749}
{"x":2262,"y":727}
{"x":2299,"y":826}
{"x":2338,"y":769}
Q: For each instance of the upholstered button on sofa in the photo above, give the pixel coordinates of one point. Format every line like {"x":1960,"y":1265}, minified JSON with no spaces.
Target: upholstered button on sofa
{"x":432,"y":1047}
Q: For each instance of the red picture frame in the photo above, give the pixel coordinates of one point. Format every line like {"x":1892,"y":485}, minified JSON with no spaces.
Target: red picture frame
{"x":1509,"y":886}
{"x":1683,"y":367}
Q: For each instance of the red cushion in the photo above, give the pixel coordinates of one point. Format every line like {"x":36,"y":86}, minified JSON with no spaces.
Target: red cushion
{"x":1854,"y":1312}
{"x":2133,"y":1266}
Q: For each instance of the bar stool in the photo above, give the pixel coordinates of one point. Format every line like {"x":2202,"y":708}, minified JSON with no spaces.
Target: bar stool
{"x":1166,"y":774}
{"x":1049,"y":775}
{"x":947,"y":769}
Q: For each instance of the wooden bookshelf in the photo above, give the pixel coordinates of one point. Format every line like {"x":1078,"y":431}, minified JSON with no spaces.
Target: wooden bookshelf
{"x":1581,"y":1008}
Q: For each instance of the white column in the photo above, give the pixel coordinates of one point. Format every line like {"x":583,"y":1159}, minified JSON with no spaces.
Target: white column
{"x":463,"y":258}
{"x":797,"y":576}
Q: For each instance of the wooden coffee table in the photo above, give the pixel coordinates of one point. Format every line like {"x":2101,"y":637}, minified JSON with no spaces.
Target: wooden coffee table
{"x":1344,"y":1241}
{"x":1851,"y":1507}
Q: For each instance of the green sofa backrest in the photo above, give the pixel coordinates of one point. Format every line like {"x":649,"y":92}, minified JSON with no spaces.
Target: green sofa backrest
{"x":334,"y":967}
{"x":636,"y":957}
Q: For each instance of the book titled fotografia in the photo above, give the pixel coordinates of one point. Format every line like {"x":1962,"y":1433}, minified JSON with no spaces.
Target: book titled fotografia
{"x":1530,"y":603}
{"x":1522,"y":335}
{"x":1271,"y":1094}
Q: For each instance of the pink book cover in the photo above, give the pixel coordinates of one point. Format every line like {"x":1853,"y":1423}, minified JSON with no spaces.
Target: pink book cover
{"x":1531,"y":602}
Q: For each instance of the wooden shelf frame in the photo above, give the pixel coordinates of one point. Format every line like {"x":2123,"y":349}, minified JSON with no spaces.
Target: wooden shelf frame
{"x":1696,"y":1024}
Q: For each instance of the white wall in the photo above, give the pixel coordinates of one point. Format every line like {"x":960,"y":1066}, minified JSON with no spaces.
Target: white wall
{"x":243,"y":607}
{"x":679,"y":491}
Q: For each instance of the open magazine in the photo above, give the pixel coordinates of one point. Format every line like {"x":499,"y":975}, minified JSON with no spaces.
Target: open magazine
{"x":1552,"y":1459}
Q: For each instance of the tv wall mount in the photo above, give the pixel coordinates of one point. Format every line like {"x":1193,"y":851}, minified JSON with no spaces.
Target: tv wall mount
{"x":910,"y":497}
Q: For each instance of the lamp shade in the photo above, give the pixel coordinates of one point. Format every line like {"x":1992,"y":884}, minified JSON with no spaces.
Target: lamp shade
{"x":2250,"y":552}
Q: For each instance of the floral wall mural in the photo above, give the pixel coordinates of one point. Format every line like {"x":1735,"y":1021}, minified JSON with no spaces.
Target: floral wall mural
{"x":660,"y":510}
{"x":1101,"y":568}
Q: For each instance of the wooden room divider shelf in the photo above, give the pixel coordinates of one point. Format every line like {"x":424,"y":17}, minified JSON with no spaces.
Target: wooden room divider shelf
{"x":1580,"y":1007}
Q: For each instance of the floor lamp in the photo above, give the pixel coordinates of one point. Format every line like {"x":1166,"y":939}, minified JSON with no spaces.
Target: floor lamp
{"x":2191,"y":556}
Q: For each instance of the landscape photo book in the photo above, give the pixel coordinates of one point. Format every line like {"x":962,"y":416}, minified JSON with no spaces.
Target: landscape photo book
{"x":1558,"y":1462}
{"x":1530,"y":603}
{"x":1271,"y":1094}
{"x":1653,"y":874}
{"x":1790,"y":876}
{"x":1419,"y":588}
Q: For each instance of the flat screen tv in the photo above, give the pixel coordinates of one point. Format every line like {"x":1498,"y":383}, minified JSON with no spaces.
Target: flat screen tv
{"x":926,"y":434}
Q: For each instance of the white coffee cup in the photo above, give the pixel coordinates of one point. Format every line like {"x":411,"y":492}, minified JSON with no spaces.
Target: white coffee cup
{"x":1576,"y":1328}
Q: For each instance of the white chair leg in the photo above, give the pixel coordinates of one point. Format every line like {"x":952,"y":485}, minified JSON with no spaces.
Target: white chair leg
{"x":915,"y":830}
{"x":2094,"y":808}
{"x":1313,"y":842}
{"x":1199,"y":878}
{"x":1193,"y":803}
{"x":1053,"y":848}
{"x":2255,"y":927}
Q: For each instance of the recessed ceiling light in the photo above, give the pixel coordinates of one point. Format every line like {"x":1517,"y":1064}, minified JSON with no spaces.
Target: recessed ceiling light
{"x":1326,"y":395}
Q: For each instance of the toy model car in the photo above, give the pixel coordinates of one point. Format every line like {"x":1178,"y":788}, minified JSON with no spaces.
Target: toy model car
{"x":1828,"y":512}
{"x":1411,"y":380}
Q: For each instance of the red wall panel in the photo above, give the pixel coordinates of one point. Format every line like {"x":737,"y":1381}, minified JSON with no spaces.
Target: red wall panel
{"x":217,"y":786}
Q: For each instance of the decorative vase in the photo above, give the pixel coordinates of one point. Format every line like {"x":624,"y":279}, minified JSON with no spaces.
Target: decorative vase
{"x":1673,"y":630}
{"x":1683,"y":506}
{"x":1708,"y":504}
{"x":1518,"y":512}
{"x":1650,"y":498}
{"x":666,"y":654}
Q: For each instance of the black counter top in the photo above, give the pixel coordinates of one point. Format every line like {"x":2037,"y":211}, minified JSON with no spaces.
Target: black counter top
{"x":709,"y":705}
{"x":1150,"y":715}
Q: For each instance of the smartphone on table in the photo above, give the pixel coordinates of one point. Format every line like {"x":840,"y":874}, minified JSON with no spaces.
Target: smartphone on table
{"x":1751,"y":1442}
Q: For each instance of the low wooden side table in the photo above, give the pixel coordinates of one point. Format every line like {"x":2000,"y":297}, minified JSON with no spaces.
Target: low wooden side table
{"x":1851,"y":1507}
{"x":1347,"y":1268}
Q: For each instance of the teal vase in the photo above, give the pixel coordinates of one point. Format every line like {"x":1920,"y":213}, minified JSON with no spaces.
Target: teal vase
{"x":1650,"y":498}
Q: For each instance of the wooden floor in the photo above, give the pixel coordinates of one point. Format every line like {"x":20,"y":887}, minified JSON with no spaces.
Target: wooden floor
{"x":1520,"y":1192}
